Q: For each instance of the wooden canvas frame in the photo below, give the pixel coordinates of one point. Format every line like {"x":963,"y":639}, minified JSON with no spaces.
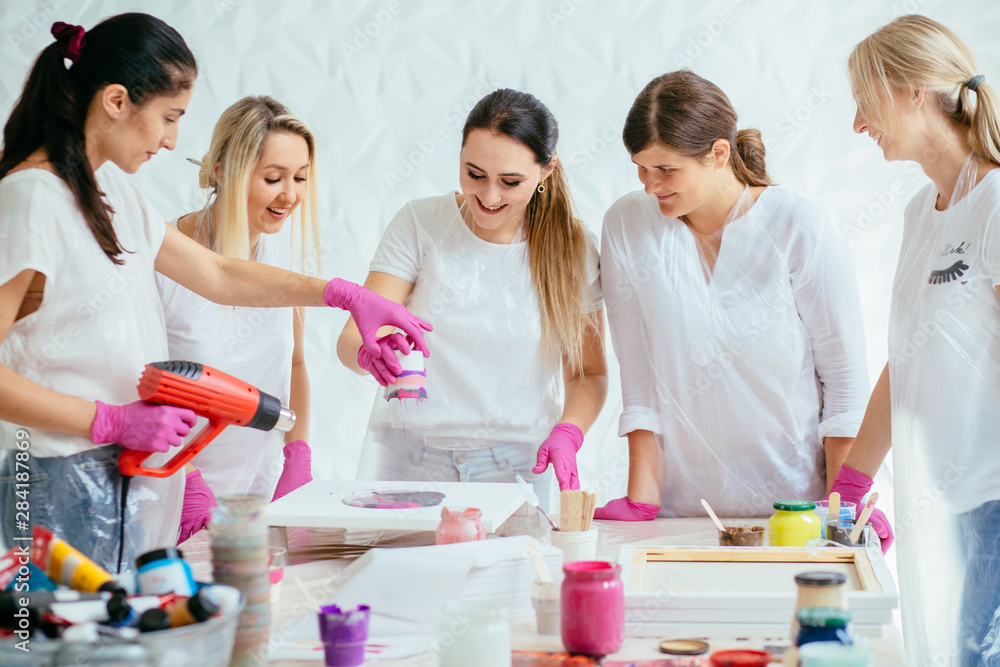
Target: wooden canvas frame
{"x":680,"y":597}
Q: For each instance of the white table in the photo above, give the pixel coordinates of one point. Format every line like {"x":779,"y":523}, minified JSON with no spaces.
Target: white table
{"x":313,"y":577}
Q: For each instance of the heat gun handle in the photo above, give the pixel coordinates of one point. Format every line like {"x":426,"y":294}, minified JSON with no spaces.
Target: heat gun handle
{"x":130,"y":460}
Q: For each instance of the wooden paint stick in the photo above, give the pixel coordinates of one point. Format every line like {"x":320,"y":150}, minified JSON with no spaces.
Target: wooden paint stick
{"x":863,"y":519}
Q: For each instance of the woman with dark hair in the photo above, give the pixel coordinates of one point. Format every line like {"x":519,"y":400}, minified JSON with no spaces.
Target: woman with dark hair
{"x":79,"y":311}
{"x":735,"y":316}
{"x":511,"y":277}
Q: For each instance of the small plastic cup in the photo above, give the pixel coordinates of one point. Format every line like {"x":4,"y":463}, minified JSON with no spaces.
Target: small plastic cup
{"x":545,"y":600}
{"x":834,"y":654}
{"x":847,"y":513}
{"x":741,"y":536}
{"x":576,"y":545}
{"x":277,"y":559}
{"x":344,"y":633}
{"x":841,"y":534}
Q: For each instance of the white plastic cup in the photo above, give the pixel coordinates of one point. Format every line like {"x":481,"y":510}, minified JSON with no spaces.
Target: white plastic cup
{"x":545,"y":600}
{"x":576,"y":544}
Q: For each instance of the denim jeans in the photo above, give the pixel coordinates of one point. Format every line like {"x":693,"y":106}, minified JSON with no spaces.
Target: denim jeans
{"x":491,"y":464}
{"x":979,"y":624}
{"x":76,"y":497}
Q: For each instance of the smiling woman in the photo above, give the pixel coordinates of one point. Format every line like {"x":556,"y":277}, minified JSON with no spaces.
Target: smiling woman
{"x":260,"y":170}
{"x":512,"y":277}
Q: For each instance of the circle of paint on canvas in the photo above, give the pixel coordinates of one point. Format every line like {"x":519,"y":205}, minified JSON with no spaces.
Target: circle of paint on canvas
{"x":394,"y":500}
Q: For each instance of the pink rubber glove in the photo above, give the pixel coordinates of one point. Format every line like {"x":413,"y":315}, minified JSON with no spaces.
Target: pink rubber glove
{"x":385,"y":367}
{"x":141,"y":425}
{"x":198,"y":503}
{"x":297,"y":470}
{"x":852,"y":487}
{"x":371,"y":311}
{"x":623,"y":509}
{"x":560,"y":450}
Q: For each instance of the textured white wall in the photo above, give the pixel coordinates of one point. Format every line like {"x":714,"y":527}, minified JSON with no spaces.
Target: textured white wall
{"x":386,"y":84}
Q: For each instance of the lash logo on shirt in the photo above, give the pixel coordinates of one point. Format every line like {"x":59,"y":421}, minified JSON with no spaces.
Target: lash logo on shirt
{"x":947,"y":275}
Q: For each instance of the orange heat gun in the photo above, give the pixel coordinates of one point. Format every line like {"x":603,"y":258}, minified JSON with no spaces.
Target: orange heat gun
{"x":220,"y":398}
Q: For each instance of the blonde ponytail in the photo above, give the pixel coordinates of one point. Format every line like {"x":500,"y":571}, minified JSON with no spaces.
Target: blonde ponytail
{"x":912,"y":51}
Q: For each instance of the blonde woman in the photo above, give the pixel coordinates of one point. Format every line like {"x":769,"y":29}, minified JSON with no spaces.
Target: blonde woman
{"x":260,"y":169}
{"x":921,"y":97}
{"x":512,"y":279}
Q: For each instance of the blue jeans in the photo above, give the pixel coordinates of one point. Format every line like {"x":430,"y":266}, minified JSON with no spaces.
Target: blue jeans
{"x":979,"y":624}
{"x":76,"y":497}
{"x":492,"y":464}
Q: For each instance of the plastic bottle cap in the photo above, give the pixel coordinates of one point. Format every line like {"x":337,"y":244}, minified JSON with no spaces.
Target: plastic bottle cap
{"x":153,"y":620}
{"x":824,"y":617}
{"x":820,"y":578}
{"x":794,"y":505}
{"x":204,"y":605}
{"x":118,"y":609}
{"x":169,"y":553}
{"x":112,"y":587}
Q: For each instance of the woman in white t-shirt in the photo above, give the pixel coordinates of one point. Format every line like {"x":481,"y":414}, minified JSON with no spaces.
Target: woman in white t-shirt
{"x":735,"y":316}
{"x":260,"y":169}
{"x":921,"y":97}
{"x":79,"y":311}
{"x":511,"y":279}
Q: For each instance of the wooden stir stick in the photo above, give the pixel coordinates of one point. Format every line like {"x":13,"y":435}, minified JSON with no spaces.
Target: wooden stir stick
{"x":863,"y":519}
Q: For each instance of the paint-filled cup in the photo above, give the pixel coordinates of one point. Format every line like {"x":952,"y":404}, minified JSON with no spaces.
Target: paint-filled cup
{"x":592,"y":605}
{"x":576,"y":545}
{"x":841,"y":534}
{"x":846,"y":514}
{"x":545,"y":600}
{"x":742,"y":536}
{"x":834,"y":654}
{"x":344,"y":633}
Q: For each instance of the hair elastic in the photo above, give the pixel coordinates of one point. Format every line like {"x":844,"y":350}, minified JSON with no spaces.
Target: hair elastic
{"x":975,"y":81}
{"x":70,"y":40}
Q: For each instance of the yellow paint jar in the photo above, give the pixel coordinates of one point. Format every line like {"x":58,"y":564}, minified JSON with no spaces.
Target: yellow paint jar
{"x":793,"y":523}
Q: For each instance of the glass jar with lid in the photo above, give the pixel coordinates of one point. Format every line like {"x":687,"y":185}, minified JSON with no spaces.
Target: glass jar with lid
{"x":793,"y":523}
{"x":823,"y":624}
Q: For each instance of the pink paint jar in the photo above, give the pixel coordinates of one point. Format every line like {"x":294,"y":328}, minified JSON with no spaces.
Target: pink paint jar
{"x":592,"y":607}
{"x":462,"y":524}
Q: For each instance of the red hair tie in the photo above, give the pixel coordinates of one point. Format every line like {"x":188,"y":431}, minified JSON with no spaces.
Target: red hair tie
{"x":70,"y":39}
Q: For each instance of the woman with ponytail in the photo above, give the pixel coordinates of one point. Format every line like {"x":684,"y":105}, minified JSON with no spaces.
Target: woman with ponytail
{"x":735,"y":316}
{"x":511,"y":278}
{"x":79,"y":309}
{"x":921,"y":97}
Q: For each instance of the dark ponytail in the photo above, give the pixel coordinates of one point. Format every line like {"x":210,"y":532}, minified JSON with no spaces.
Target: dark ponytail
{"x":688,"y":114}
{"x":137,"y":51}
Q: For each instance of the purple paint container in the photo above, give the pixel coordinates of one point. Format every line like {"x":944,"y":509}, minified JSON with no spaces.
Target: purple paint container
{"x":344,"y":633}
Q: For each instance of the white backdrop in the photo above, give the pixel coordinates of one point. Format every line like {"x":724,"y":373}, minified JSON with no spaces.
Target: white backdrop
{"x":385,"y":85}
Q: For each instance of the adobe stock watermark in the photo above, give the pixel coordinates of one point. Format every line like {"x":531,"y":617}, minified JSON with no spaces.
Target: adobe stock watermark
{"x":363,"y":35}
{"x":563,"y":12}
{"x":792,"y":122}
{"x":609,"y":135}
{"x":701,"y":41}
{"x":425,"y":147}
{"x":37,"y":23}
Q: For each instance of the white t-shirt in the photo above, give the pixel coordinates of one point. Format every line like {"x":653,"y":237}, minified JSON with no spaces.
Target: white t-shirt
{"x":739,"y":377}
{"x":251,"y":344}
{"x":486,"y":378}
{"x":99,"y":323}
{"x":944,"y":345}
